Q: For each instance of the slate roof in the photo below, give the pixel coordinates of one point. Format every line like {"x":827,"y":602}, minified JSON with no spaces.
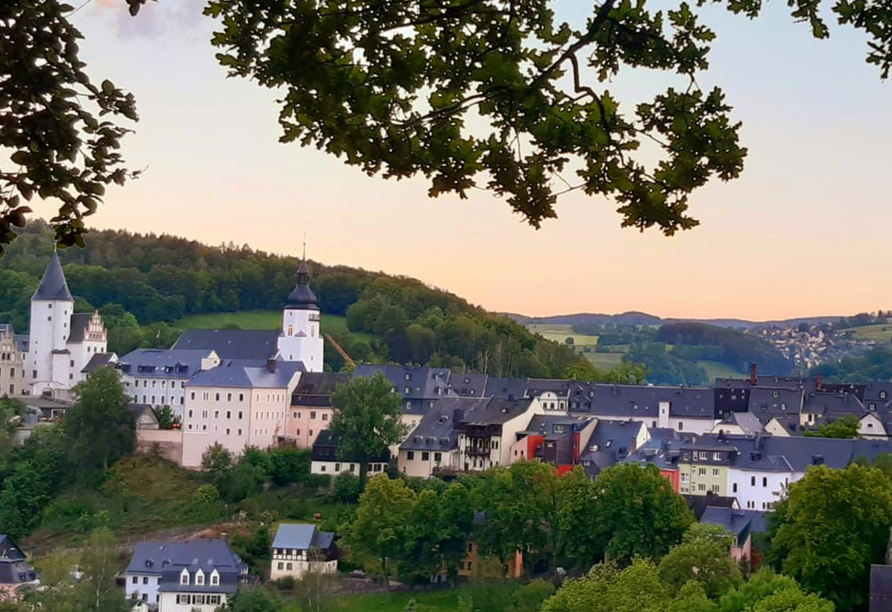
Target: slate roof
{"x":168,"y":559}
{"x":422,"y":382}
{"x":302,"y":537}
{"x":239,"y":374}
{"x":790,"y":454}
{"x":14,"y":570}
{"x":644,"y":401}
{"x":737,"y":522}
{"x":79,"y":323}
{"x":258,"y":344}
{"x":162,"y":363}
{"x":495,"y":411}
{"x":98,"y":360}
{"x":700,"y":503}
{"x":615,"y":436}
{"x":438,"y":429}
{"x":53,"y":286}
{"x":785,"y":382}
{"x":506,"y":387}
{"x":468,"y":384}
{"x":315,"y":388}
{"x":6,"y":328}
{"x":544,"y":424}
{"x":326,"y":440}
{"x":746,"y":421}
{"x":832,"y":406}
{"x":538,"y":386}
{"x":662,"y":452}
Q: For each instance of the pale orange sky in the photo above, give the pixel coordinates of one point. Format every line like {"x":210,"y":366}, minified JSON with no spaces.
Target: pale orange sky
{"x":803,"y":232}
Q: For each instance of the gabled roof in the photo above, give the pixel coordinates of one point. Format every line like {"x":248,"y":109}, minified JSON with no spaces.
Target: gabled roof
{"x":239,"y":374}
{"x":644,"y":401}
{"x":169,"y":559}
{"x":495,"y":411}
{"x":506,"y":387}
{"x":315,"y":388}
{"x":99,"y":360}
{"x":79,"y":323}
{"x":9,"y":551}
{"x":438,"y":430}
{"x":737,"y":522}
{"x":162,"y":363}
{"x":232,"y":343}
{"x":468,"y":384}
{"x":302,"y":537}
{"x":769,"y":402}
{"x":411,"y":382}
{"x":53,"y":287}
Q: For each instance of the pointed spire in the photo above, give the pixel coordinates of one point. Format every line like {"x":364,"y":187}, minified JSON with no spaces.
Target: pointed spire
{"x":53,"y":287}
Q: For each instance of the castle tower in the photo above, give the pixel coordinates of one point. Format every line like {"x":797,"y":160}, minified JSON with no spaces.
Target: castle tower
{"x":48,"y":364}
{"x":301,"y":337}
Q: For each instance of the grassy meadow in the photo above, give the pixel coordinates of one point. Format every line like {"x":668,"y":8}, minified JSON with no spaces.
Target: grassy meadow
{"x":262,"y":319}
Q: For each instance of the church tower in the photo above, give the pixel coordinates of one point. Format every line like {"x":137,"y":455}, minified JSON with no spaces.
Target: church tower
{"x":301,"y":337}
{"x":48,"y":364}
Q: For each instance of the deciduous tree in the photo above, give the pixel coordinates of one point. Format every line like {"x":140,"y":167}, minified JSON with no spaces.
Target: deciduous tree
{"x":828,"y":530}
{"x":98,"y":427}
{"x":502,"y":94}
{"x":703,"y":556}
{"x":380,"y":527}
{"x":366,"y":420}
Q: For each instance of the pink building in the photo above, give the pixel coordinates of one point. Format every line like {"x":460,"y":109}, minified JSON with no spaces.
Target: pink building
{"x":310,"y":411}
{"x":237,"y":405}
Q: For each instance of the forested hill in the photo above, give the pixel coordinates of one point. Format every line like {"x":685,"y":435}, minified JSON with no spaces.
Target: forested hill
{"x":143,"y":284}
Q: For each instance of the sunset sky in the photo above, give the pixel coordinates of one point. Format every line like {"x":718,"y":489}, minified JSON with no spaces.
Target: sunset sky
{"x":806,"y":231}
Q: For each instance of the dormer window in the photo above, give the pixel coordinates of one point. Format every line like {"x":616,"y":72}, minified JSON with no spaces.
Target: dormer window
{"x":776,"y":394}
{"x":199,"y":578}
{"x":872,"y":406}
{"x":408,"y":376}
{"x":215,"y":578}
{"x":882,"y":395}
{"x":184,"y":576}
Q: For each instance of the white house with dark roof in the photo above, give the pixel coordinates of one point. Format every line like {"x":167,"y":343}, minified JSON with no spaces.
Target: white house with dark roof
{"x":158,"y":377}
{"x":299,"y":548}
{"x":61,"y":343}
{"x":199,"y":575}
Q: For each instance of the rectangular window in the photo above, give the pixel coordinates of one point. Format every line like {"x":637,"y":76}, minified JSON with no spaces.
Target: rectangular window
{"x":764,"y":481}
{"x":229,"y":397}
{"x":145,"y":580}
{"x":717,"y":456}
{"x":734,"y":487}
{"x":312,"y":414}
{"x":715,"y":471}
{"x":324,"y":416}
{"x":198,"y":600}
{"x":241,"y":397}
{"x":425,"y":456}
{"x":184,"y":599}
{"x":701,"y":471}
{"x":753,"y":481}
{"x":701,"y":487}
{"x":410,"y":455}
{"x":438,"y":456}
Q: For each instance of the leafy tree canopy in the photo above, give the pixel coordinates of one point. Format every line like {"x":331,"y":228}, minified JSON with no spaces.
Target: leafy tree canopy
{"x":828,"y":530}
{"x":501,"y":93}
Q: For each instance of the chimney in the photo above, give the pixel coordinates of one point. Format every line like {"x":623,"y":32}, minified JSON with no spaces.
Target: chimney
{"x":819,"y":383}
{"x":271,"y":364}
{"x":754,"y":378}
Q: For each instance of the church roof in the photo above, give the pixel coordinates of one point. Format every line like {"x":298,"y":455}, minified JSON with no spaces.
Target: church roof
{"x":259,"y":344}
{"x":302,"y":297}
{"x":53,"y":287}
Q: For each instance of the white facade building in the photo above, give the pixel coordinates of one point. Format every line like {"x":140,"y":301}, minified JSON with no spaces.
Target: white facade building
{"x":61,"y":343}
{"x":298,"y":549}
{"x":301,"y":338}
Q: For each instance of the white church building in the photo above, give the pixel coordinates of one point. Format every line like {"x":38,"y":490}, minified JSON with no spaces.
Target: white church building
{"x":62,"y":346}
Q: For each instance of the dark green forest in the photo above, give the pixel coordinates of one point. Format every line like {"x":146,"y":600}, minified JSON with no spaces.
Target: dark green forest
{"x":143,"y":284}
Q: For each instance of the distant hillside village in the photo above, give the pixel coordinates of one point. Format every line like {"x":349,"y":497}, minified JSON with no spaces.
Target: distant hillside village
{"x":262,"y":388}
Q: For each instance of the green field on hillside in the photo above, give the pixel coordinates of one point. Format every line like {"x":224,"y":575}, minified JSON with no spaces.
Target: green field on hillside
{"x":262,"y":319}
{"x":880,"y":334}
{"x":560,"y":333}
{"x":605,"y":361}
